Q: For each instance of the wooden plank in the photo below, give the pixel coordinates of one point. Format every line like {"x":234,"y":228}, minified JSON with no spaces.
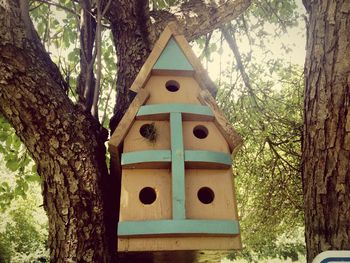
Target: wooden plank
{"x":146,"y":69}
{"x":214,"y":141}
{"x":232,"y":137}
{"x":208,"y":157}
{"x":146,"y":156}
{"x":181,"y":108}
{"x":186,"y":94}
{"x":148,"y":165}
{"x":177,"y":166}
{"x":178,"y":227}
{"x":131,"y":206}
{"x":220,"y":182}
{"x":127,"y":121}
{"x":160,"y":140}
{"x":155,"y":243}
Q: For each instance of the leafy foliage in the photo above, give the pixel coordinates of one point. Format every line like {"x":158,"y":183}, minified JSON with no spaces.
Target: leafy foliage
{"x":17,"y":160}
{"x":23,"y":225}
{"x":269,"y":117}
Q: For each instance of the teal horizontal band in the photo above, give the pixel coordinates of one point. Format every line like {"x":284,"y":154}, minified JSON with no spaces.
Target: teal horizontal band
{"x":181,"y":108}
{"x":165,"y":156}
{"x":209,"y":157}
{"x":146,"y":156}
{"x":188,"y":226}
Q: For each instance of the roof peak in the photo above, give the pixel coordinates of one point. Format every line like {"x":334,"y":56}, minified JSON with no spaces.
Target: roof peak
{"x":173,"y":43}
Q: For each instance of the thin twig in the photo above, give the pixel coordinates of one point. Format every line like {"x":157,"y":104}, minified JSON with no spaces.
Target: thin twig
{"x":231,"y":40}
{"x":57,"y":5}
{"x":98,"y":43}
{"x":107,"y":100}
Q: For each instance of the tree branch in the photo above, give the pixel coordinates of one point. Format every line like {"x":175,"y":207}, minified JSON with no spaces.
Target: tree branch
{"x":48,"y":2}
{"x":98,"y":43}
{"x":198,"y":18}
{"x":231,"y":40}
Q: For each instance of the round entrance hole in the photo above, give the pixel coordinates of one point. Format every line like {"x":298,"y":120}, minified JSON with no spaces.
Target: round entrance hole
{"x":172,"y":86}
{"x":206,"y":195}
{"x":147,"y":195}
{"x":148,"y":131}
{"x":200,"y":132}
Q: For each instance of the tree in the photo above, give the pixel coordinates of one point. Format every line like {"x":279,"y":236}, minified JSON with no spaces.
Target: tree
{"x":65,"y":139}
{"x":326,"y":142}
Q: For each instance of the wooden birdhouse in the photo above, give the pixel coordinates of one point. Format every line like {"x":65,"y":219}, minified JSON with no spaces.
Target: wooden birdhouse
{"x":175,"y":144}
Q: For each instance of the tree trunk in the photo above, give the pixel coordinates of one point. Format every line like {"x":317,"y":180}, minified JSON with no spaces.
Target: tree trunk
{"x":326,"y":142}
{"x":64,"y":142}
{"x":130,"y":28}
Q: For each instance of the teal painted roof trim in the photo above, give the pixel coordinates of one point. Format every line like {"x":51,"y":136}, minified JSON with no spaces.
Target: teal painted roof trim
{"x":146,"y":156}
{"x":175,"y":155}
{"x":168,"y":108}
{"x":208,"y":157}
{"x":187,"y":226}
{"x":172,"y":58}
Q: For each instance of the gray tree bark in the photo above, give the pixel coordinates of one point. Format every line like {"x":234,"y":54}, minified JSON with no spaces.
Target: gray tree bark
{"x":326,"y":143}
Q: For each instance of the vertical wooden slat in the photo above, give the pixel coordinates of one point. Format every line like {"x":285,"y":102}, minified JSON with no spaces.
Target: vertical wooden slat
{"x":177,"y":166}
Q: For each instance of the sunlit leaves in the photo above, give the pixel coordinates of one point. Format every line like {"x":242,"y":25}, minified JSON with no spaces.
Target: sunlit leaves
{"x":18,"y":162}
{"x":267,"y":167}
{"x":23,"y":230}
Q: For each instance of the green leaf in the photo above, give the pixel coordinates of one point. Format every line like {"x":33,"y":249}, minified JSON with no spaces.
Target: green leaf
{"x":3,"y":136}
{"x":33,"y":178}
{"x":12,"y":165}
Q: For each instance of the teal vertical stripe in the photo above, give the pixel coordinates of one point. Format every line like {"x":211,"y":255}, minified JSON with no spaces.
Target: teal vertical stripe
{"x":177,"y":166}
{"x":174,"y":107}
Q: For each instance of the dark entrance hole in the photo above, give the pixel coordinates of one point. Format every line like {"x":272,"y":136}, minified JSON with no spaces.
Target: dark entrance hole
{"x":200,"y":132}
{"x":206,"y":195}
{"x":149,"y":131}
{"x":147,"y":195}
{"x":172,"y":86}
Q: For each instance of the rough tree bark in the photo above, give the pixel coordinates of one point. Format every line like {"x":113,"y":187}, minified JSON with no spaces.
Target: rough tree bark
{"x":64,"y":140}
{"x":326,"y":144}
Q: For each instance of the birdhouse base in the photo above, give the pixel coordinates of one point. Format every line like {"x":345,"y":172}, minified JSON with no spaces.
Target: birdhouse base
{"x":179,"y":243}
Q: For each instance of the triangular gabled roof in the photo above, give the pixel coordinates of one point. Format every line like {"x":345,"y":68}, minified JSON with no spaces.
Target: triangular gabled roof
{"x":171,"y":43}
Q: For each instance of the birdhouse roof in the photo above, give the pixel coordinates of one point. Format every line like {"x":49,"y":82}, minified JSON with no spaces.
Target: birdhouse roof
{"x":171,"y":55}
